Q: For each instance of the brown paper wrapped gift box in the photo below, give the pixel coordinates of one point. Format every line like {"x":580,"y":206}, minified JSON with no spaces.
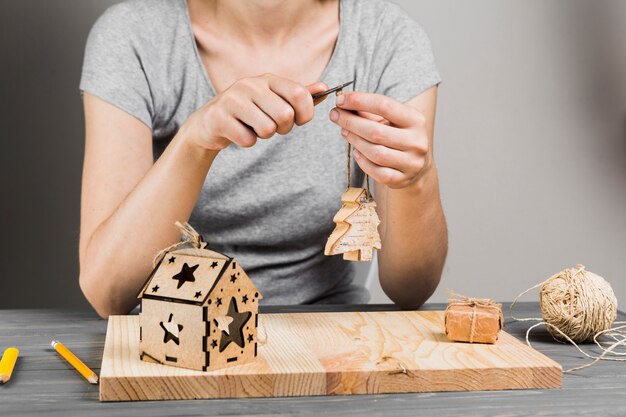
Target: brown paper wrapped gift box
{"x":473,"y":320}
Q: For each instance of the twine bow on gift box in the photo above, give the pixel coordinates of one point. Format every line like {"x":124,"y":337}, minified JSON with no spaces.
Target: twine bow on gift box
{"x":474,"y":303}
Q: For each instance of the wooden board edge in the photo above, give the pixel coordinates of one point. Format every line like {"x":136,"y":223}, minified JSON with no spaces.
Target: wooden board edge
{"x":107,"y":345}
{"x":348,"y":383}
{"x":529,"y":350}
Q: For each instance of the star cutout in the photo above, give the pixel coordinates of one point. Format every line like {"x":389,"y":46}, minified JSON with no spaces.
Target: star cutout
{"x":214,"y":343}
{"x":171,"y":260}
{"x":223,"y":322}
{"x":235,"y":328}
{"x":233,"y":278}
{"x":198,"y":294}
{"x":172,"y":330}
{"x":250,"y":338}
{"x":244,"y":299}
{"x":155,"y":288}
{"x":185,"y":275}
{"x":218,"y":302}
{"x":213,"y":265}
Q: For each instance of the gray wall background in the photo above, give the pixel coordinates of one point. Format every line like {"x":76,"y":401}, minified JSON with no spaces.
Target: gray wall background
{"x":530,"y":142}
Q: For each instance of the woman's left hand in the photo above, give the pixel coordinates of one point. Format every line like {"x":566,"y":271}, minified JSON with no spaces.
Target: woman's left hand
{"x":390,"y":139}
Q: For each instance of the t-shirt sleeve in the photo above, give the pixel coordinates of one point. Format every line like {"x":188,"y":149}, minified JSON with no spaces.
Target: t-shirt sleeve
{"x":112,"y":66}
{"x":404,"y":65}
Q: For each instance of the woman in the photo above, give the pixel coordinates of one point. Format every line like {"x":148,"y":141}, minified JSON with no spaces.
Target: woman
{"x":201,"y":86}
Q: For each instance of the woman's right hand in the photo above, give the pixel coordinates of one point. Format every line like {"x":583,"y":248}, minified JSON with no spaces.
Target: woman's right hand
{"x":251,"y":108}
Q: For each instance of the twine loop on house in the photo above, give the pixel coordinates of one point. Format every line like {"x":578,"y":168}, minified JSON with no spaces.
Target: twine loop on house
{"x":474,"y":303}
{"x":579,"y":306}
{"x":189,"y":237}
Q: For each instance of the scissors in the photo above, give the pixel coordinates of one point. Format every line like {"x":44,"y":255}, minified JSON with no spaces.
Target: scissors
{"x":332,"y":90}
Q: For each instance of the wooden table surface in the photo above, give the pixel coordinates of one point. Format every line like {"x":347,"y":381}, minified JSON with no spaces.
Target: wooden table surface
{"x":43,"y":383}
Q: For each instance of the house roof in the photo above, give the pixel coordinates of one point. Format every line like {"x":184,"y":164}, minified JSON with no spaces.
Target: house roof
{"x":186,"y":275}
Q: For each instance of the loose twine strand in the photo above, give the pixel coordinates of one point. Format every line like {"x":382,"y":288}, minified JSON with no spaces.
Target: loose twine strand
{"x":462,"y":300}
{"x":573,"y":304}
{"x":367,"y":177}
{"x":190,"y":238}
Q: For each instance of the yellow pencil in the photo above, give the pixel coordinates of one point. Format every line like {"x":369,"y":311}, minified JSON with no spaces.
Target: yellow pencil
{"x":9,"y":357}
{"x":75,"y":362}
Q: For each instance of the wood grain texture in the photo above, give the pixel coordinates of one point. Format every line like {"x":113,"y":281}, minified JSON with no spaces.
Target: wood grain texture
{"x":42,"y":384}
{"x":332,"y":354}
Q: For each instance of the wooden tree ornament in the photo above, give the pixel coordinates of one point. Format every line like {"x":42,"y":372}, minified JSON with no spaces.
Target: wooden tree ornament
{"x":356,"y":231}
{"x":199,"y":309}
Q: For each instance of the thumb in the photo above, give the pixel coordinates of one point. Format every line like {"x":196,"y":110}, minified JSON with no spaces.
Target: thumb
{"x":315,"y":88}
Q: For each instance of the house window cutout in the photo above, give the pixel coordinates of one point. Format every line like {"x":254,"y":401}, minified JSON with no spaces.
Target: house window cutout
{"x":171,"y":330}
{"x":235,"y":327}
{"x":185,"y":274}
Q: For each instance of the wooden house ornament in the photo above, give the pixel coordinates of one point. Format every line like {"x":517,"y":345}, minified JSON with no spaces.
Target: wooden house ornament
{"x":199,"y":309}
{"x":356,"y":233}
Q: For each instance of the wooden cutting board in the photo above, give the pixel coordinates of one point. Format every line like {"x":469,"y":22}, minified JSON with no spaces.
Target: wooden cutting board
{"x":331,"y":354}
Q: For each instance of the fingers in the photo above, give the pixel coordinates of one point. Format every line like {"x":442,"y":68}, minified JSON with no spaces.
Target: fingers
{"x":376,"y":132}
{"x":298,"y":97}
{"x":383,"y":175}
{"x":261,"y":106}
{"x":405,"y":162}
{"x":392,"y":155}
{"x":277,"y":109}
{"x":397,"y":113}
{"x":373,"y":117}
{"x":235,"y":131}
{"x":252,"y":116}
{"x":315,"y":88}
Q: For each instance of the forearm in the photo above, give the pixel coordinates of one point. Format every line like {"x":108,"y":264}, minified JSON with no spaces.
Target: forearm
{"x":118,"y":256}
{"x":414,"y":240}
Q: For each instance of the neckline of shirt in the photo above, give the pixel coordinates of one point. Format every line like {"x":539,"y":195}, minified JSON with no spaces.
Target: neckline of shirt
{"x":327,"y":69}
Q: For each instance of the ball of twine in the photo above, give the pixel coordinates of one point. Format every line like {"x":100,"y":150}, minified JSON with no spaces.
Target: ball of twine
{"x":579,"y":306}
{"x":577,"y":302}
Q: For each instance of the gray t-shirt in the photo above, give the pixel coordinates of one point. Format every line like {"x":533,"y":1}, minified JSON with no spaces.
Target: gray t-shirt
{"x":270,"y":206}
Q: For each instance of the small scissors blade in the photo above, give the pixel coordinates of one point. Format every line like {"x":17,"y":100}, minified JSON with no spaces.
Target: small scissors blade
{"x":332,"y":90}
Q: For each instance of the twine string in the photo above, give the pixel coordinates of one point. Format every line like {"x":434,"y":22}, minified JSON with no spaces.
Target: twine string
{"x":576,"y":289}
{"x":461,"y":299}
{"x":368,"y":194}
{"x":349,"y":168}
{"x":349,"y":158}
{"x":473,"y":326}
{"x":515,"y":301}
{"x":189,"y":238}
